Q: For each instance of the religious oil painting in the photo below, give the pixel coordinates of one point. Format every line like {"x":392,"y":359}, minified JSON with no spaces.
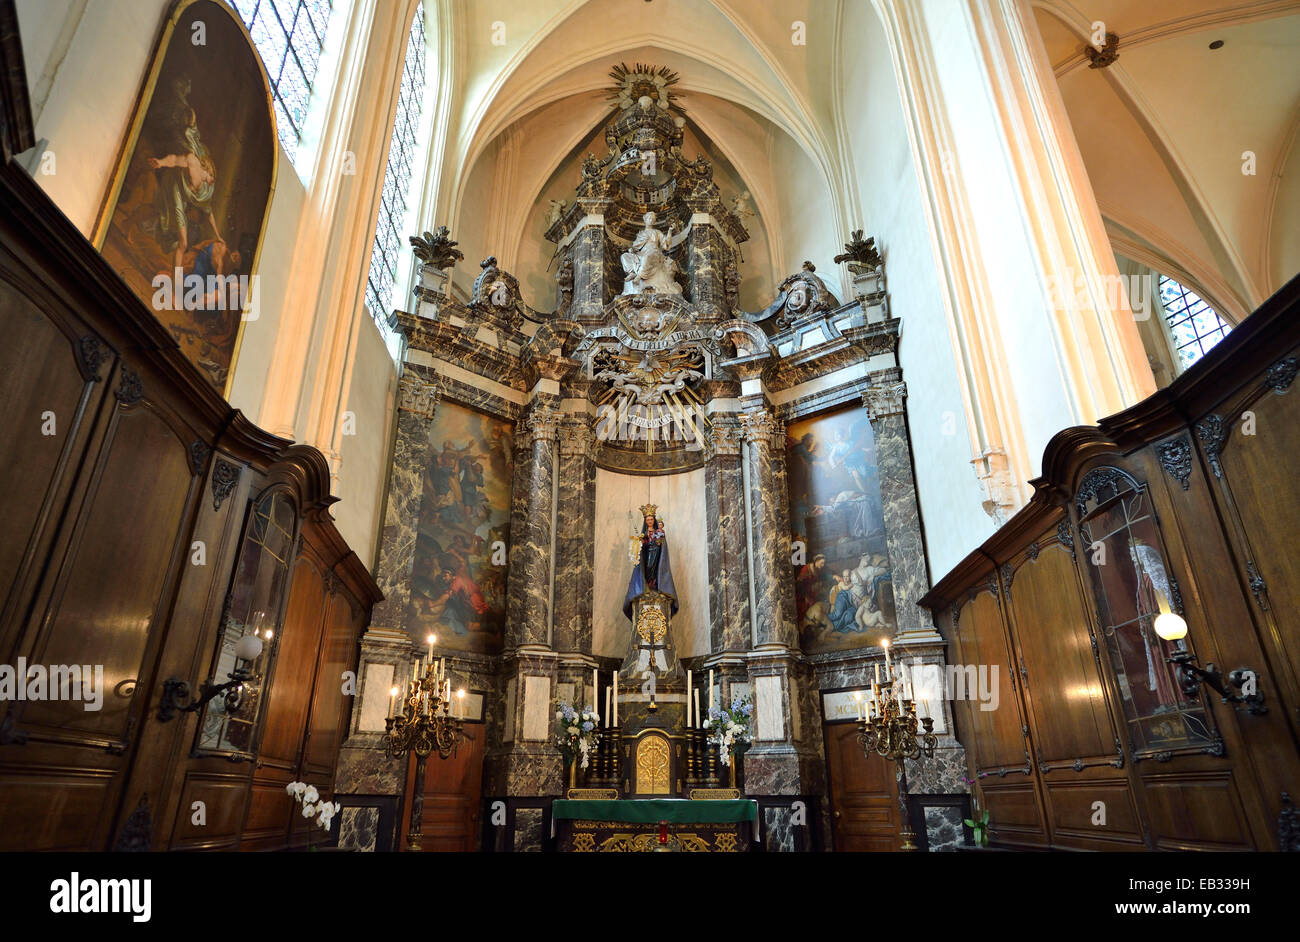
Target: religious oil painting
{"x":844,"y":595}
{"x":183,"y":220}
{"x":458,"y":582}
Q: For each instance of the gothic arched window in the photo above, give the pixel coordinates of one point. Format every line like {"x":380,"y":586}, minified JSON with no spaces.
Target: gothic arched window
{"x":1194,"y":326}
{"x":397,"y":178}
{"x":289,"y":36}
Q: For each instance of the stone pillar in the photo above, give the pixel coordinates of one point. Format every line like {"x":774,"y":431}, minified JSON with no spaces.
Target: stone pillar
{"x":575,"y":535}
{"x":706,"y":258}
{"x":592,"y":287}
{"x":417,"y":401}
{"x":774,"y":607}
{"x":528,"y":589}
{"x":729,"y":622}
{"x":885,"y":402}
{"x":363,"y":768}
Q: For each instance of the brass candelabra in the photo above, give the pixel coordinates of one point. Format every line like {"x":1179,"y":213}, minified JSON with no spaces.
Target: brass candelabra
{"x":890,"y":729}
{"x":424,"y":725}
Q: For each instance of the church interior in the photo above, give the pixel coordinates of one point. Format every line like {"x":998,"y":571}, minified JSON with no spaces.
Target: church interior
{"x":583,"y":426}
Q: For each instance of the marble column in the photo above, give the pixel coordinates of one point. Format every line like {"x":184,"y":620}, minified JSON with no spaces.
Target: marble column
{"x":575,"y":535}
{"x":592,"y":286}
{"x":706,"y":257}
{"x":885,"y":400}
{"x":775,"y":622}
{"x":729,"y":621}
{"x":528,"y":588}
{"x":418,"y":394}
{"x":385,"y":659}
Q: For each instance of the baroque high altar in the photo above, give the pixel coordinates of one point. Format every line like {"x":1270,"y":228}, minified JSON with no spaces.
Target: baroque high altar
{"x":528,"y":442}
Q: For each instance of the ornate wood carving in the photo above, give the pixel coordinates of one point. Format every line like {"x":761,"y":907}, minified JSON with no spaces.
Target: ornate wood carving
{"x":224,"y":478}
{"x":90,"y":356}
{"x":1258,"y":587}
{"x":1176,"y":458}
{"x":1212,"y":433}
{"x":129,"y":388}
{"x":1065,"y":537}
{"x":1097,"y":482}
{"x":1032,"y":552}
{"x":200,"y":452}
{"x":137,"y":833}
{"x":1281,"y":374}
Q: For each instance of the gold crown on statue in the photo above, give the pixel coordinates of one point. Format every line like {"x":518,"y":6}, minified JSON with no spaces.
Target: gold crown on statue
{"x":648,"y":510}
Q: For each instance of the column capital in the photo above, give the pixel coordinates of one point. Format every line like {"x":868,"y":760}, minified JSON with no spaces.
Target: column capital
{"x":761,"y":426}
{"x":419,"y":391}
{"x":576,"y":436}
{"x":885,"y":399}
{"x":541,"y":421}
{"x":723,"y":435}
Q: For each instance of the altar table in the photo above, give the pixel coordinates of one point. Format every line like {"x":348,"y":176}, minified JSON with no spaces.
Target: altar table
{"x":632,"y":824}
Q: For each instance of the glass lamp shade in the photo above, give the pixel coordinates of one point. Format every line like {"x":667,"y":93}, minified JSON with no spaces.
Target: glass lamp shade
{"x":248,"y":647}
{"x":1171,"y":627}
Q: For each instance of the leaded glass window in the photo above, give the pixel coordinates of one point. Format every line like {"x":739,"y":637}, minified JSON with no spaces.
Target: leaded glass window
{"x":397,"y":178}
{"x":289,"y":36}
{"x":1194,"y":326}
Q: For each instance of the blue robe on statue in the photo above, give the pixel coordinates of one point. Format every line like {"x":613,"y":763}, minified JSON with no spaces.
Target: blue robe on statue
{"x":654,"y":559}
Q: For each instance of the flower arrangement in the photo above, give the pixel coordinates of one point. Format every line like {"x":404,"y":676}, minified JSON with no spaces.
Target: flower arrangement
{"x":729,"y":730}
{"x":312,"y":805}
{"x":578,"y":731}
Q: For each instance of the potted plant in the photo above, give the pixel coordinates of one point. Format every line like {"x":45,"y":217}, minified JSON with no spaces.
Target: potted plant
{"x":312,"y":807}
{"x":730,"y":731}
{"x":980,"y":828}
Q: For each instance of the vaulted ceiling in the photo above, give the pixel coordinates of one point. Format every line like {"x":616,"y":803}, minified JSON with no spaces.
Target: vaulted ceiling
{"x":529,"y":107}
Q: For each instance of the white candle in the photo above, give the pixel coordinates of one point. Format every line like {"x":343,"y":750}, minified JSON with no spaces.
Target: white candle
{"x":442,"y":666}
{"x":460,"y":702}
{"x":888,"y":665}
{"x":595,"y":685}
{"x":858,"y":696}
{"x":431,"y":639}
{"x":608,"y":720}
{"x":392,"y":699}
{"x":688,"y":699}
{"x":699,"y":720}
{"x":415,"y":670}
{"x":877,"y":666}
{"x":616,"y":699}
{"x":710,"y":689}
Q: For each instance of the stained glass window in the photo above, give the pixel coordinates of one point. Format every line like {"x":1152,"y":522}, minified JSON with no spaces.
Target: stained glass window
{"x":289,"y":36}
{"x":397,"y":178}
{"x":1193,"y":324}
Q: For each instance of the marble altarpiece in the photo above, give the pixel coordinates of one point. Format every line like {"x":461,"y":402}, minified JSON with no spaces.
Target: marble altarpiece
{"x":644,"y":374}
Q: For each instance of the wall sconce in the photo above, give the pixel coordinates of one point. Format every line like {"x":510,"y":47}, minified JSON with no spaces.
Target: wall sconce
{"x":1172,"y":627}
{"x":176,"y":692}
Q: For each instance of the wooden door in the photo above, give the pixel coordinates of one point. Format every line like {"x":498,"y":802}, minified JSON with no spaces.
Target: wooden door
{"x":453,"y":790}
{"x":864,"y":793}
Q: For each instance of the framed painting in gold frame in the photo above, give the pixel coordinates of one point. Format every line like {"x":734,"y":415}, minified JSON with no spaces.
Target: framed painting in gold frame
{"x":186,"y":212}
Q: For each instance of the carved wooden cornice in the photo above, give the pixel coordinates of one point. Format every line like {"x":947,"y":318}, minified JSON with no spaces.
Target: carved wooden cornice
{"x":446,"y":341}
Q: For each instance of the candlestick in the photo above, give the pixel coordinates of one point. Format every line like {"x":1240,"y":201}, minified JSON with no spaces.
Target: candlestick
{"x":688,"y":699}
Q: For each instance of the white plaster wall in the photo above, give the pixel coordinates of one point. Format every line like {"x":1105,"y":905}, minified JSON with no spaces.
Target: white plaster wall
{"x":363,"y":458}
{"x":86,"y":116}
{"x":889,"y":193}
{"x":681,"y":503}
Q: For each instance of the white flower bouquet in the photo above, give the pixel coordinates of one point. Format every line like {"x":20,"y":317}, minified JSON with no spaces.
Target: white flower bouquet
{"x":730,"y":730}
{"x":577,"y":732}
{"x":312,"y":805}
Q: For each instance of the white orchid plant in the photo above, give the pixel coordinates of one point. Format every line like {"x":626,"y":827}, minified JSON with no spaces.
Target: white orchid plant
{"x":730,"y":730}
{"x":577,"y":732}
{"x":312,"y":805}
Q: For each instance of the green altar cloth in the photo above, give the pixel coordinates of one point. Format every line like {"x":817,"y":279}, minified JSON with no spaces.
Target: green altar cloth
{"x":654,"y":810}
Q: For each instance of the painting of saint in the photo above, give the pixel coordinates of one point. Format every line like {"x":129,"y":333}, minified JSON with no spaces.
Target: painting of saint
{"x":843,"y":591}
{"x":183,"y":220}
{"x":458,"y":580}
